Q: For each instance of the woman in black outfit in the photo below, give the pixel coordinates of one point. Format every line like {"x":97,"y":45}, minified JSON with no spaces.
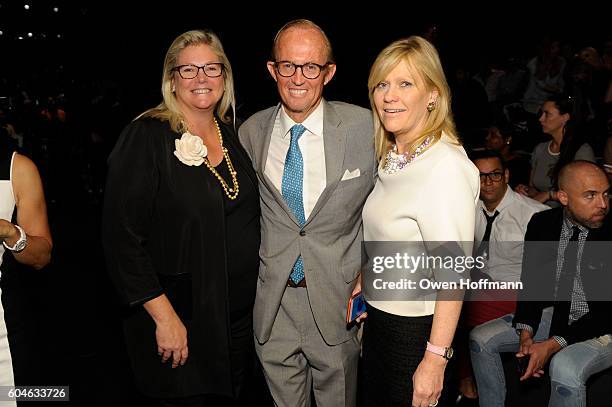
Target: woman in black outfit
{"x":181,"y":233}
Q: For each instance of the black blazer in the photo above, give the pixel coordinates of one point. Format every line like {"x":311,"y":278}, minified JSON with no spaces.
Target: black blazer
{"x":164,"y":232}
{"x":539,"y":278}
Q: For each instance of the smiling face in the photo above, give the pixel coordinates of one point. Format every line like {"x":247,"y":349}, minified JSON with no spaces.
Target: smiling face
{"x":301,"y":96}
{"x":201,"y":92}
{"x":401,"y":101}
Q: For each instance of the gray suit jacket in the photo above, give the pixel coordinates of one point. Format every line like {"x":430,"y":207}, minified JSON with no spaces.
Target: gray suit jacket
{"x":330,"y":241}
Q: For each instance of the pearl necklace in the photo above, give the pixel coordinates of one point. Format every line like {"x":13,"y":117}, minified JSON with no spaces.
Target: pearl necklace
{"x":394,"y":162}
{"x":232,"y":193}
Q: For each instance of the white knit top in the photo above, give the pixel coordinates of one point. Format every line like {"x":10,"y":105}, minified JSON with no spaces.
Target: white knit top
{"x":431,"y":199}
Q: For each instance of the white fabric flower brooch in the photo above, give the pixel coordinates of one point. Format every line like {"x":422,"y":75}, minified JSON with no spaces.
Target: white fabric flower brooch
{"x":190,"y":149}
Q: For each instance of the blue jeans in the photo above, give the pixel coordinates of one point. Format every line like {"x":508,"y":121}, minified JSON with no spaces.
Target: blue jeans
{"x":569,"y":369}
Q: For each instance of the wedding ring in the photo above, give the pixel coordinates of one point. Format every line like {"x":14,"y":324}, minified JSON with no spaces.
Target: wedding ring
{"x":434,"y":404}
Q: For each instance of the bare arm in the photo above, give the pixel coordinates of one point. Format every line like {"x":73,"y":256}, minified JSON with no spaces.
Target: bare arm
{"x":428,"y":379}
{"x":532,"y":192}
{"x":31,"y":215}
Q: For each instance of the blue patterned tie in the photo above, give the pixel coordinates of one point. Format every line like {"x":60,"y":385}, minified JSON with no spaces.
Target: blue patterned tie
{"x":292,"y":187}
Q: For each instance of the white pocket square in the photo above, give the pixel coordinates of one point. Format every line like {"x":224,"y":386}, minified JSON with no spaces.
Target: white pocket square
{"x":350,"y":174}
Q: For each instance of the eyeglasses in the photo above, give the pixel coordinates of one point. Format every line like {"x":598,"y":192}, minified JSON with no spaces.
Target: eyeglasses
{"x":189,"y":71}
{"x":494,"y":176}
{"x":310,"y":70}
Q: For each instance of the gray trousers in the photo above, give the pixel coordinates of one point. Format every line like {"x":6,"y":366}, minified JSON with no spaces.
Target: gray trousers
{"x":296,"y":359}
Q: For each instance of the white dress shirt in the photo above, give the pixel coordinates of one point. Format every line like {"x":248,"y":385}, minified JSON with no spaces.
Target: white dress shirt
{"x":515,"y":211}
{"x":313,"y":154}
{"x":432,"y":199}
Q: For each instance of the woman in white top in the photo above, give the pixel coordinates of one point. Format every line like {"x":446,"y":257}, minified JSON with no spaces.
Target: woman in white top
{"x":426,"y":191}
{"x":28,"y":239}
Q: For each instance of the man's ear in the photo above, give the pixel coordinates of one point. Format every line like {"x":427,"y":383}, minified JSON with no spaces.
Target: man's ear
{"x":563,"y":197}
{"x":272,"y":70}
{"x":330,"y":71}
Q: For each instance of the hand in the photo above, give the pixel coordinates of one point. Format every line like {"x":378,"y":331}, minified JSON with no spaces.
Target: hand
{"x":522,"y":189}
{"x":428,"y":380}
{"x":8,"y":231}
{"x":525,"y":343}
{"x":355,"y":291}
{"x":171,"y":339}
{"x":539,"y":354}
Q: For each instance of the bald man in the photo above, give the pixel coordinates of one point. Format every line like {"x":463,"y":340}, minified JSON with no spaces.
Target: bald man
{"x":316,"y":166}
{"x":559,"y":316}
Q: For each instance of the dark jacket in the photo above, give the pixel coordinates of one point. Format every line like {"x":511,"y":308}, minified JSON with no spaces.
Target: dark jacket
{"x":539,"y":279}
{"x":164,"y":232}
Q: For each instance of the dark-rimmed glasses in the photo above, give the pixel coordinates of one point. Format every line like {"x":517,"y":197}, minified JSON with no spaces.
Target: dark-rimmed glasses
{"x":310,"y":70}
{"x":189,"y":71}
{"x":494,"y":176}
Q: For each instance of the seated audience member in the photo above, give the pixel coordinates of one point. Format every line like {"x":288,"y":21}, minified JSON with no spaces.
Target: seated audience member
{"x":499,"y":138}
{"x":502,"y":216}
{"x":560,"y":317}
{"x":566,"y":145}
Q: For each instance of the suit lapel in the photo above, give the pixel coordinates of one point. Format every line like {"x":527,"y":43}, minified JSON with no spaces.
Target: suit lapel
{"x":334,"y":140}
{"x":267,"y":127}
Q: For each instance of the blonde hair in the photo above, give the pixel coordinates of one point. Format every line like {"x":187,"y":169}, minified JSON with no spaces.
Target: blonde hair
{"x":423,"y":61}
{"x":168,"y":109}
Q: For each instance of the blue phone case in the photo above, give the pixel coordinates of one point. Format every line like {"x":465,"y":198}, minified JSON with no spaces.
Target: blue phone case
{"x":356,"y":307}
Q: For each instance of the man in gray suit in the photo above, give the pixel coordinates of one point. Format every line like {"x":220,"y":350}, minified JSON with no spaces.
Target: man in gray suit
{"x":316,"y":166}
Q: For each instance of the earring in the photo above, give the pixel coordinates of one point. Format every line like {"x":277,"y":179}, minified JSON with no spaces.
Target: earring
{"x":173,"y":89}
{"x":431,"y":106}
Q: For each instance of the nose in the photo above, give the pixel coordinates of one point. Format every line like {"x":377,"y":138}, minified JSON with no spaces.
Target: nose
{"x":487,"y":180}
{"x":390,"y":95}
{"x":298,"y":77}
{"x":604,"y":201}
{"x":201,"y":77}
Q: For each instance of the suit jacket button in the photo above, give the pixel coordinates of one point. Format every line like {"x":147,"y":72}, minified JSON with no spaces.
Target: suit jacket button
{"x":302,"y":233}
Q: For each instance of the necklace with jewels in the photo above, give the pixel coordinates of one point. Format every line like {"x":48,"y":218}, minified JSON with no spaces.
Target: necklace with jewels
{"x":394,"y":162}
{"x":231,"y":192}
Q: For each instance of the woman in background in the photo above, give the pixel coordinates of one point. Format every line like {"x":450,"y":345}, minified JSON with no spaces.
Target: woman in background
{"x":549,"y":157}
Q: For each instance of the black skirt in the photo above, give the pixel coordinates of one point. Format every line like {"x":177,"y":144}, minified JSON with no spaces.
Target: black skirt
{"x":393,"y":346}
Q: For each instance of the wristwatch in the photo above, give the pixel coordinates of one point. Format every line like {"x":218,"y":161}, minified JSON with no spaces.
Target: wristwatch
{"x":446,"y":353}
{"x":21,"y":243}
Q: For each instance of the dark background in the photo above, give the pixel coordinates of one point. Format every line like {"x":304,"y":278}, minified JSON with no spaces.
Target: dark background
{"x":125,"y":42}
{"x":101,"y":63}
